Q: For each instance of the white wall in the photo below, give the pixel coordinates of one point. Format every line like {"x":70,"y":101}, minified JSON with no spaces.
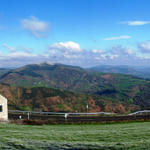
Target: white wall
{"x":4,"y":113}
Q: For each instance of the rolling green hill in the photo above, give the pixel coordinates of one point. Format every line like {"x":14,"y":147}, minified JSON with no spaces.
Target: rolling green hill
{"x":74,"y":87}
{"x":49,"y":99}
{"x":72,"y":78}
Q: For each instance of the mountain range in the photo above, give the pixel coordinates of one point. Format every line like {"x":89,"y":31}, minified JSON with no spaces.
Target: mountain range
{"x":58,"y":87}
{"x":139,"y":71}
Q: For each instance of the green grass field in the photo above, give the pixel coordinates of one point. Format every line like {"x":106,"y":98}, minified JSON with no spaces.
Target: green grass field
{"x":134,"y":136}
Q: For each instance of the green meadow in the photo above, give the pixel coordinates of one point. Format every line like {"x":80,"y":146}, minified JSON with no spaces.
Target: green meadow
{"x":117,"y":136}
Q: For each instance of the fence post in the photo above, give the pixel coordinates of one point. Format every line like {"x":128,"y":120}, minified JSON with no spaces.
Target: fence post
{"x":87,"y":107}
{"x":66,"y":115}
{"x":28,"y":115}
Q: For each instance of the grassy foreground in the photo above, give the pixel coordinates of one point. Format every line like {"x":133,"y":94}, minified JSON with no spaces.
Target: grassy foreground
{"x":76,"y":137}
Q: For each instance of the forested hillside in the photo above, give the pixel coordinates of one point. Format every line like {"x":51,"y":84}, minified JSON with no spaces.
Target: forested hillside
{"x":58,"y":87}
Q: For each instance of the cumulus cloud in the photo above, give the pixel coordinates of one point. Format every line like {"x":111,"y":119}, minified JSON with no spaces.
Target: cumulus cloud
{"x":114,"y":56}
{"x":118,"y":37}
{"x":97,"y":51}
{"x":71,"y":53}
{"x":67,"y":46}
{"x":144,"y":47}
{"x":18,"y":59}
{"x":120,"y":50}
{"x":136,"y":23}
{"x":75,"y":55}
{"x":35,"y":26}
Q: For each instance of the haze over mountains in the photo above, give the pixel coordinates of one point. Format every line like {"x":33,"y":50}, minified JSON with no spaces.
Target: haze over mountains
{"x":58,"y":87}
{"x":142,"y":72}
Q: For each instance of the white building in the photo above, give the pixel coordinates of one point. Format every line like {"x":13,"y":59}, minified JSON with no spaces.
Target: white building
{"x":3,"y":109}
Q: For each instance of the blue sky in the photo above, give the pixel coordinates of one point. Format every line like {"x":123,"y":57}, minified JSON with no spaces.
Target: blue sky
{"x":75,"y":32}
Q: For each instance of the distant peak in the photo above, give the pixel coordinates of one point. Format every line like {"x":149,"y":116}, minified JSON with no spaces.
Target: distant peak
{"x":46,"y":63}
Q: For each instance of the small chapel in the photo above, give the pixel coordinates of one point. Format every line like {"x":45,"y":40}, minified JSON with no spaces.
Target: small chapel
{"x":3,"y":109}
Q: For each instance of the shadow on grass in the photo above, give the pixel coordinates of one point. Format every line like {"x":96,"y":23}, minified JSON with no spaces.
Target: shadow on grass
{"x":65,"y":146}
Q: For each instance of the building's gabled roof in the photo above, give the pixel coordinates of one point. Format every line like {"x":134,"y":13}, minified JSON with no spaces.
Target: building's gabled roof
{"x":2,"y":98}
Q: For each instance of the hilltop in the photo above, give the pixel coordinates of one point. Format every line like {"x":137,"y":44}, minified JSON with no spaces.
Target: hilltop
{"x":70,"y":88}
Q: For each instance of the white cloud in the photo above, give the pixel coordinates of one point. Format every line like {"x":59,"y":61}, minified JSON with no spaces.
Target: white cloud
{"x":61,"y":53}
{"x":11,"y":49}
{"x":21,"y":55}
{"x":25,"y":49}
{"x":97,"y":51}
{"x":118,"y":38}
{"x":70,"y":56}
{"x":129,"y":51}
{"x":121,"y":51}
{"x":144,"y":47}
{"x":37,"y":27}
{"x":136,"y":23}
{"x":17,"y":59}
{"x":103,"y":56}
{"x":71,"y":53}
{"x":114,"y":56}
{"x":67,"y":46}
{"x":145,"y":57}
{"x":20,"y":48}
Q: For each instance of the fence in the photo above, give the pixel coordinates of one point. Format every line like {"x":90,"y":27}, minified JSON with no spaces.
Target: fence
{"x":59,"y":117}
{"x":42,"y":115}
{"x":141,"y":112}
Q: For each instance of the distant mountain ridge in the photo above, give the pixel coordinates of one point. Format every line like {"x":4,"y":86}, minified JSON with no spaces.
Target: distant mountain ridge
{"x":142,"y":72}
